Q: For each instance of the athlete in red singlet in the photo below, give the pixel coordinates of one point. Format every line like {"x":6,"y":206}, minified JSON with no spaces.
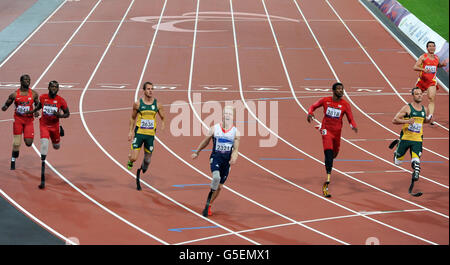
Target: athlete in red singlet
{"x":334,"y":109}
{"x":24,"y":99}
{"x":49,"y":127}
{"x":427,"y":66}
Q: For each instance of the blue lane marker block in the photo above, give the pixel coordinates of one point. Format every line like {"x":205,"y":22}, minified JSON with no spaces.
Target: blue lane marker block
{"x":186,"y":185}
{"x":190,"y":228}
{"x":265,"y":158}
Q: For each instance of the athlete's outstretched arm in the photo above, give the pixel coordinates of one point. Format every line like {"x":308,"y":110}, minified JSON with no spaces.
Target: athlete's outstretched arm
{"x":351,"y":120}
{"x":37,"y":108}
{"x":313,"y":107}
{"x":443,"y":63}
{"x":9,"y":101}
{"x":235,"y":153}
{"x":398,"y":119}
{"x":133,"y":120}
{"x":37,"y":103}
{"x":418,"y":65}
{"x":161,"y":115}
{"x":204,"y":143}
{"x":66,"y":113}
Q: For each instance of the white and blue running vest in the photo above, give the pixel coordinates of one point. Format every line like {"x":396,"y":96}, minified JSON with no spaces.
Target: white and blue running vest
{"x":223,"y":142}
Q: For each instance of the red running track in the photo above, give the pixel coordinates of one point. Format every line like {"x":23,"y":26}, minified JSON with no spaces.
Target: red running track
{"x":91,"y":196}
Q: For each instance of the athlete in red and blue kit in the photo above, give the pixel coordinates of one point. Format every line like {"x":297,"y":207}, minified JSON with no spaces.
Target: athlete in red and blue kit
{"x":52,"y":105}
{"x":24,"y":99}
{"x":334,"y":109}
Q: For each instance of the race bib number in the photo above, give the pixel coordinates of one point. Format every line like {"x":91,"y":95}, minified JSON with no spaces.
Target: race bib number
{"x":22,"y":109}
{"x":333,"y":113}
{"x":147,"y":124}
{"x":49,"y":110}
{"x":223,"y":147}
{"x":415,"y":127}
{"x":430,"y":68}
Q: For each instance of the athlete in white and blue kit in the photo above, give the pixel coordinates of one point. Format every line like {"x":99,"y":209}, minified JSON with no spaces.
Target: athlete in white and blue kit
{"x":225,"y":152}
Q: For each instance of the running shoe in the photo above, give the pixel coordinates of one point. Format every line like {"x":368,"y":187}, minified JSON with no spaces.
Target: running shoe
{"x":325,"y":189}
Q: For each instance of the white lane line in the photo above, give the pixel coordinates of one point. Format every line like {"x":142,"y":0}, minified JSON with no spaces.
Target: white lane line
{"x":303,"y":222}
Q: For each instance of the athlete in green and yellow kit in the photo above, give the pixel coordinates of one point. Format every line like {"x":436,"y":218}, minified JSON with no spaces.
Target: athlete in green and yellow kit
{"x":412,"y":117}
{"x":143,"y":126}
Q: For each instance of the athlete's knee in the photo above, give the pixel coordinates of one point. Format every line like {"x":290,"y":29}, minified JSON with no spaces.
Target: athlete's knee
{"x":16,"y":142}
{"x":397,"y":159}
{"x":44,"y":146}
{"x":16,"y":146}
{"x":215,"y":183}
{"x":415,"y":164}
{"x":146,"y":162}
{"x":28,"y":141}
{"x":335,"y":153}
{"x":133,"y":155}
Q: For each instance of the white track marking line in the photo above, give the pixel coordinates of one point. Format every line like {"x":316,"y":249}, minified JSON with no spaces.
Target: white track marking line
{"x":121,"y":166}
{"x":337,"y":78}
{"x":34,"y":218}
{"x":303,"y":222}
{"x":31,"y":35}
{"x":60,"y":175}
